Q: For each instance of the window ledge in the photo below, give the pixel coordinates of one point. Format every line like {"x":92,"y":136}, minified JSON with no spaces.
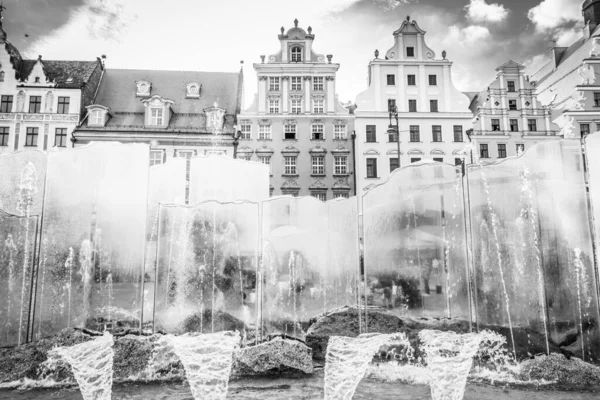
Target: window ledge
{"x":374,"y":142}
{"x":290,"y":175}
{"x":265,"y":140}
{"x":341,"y":175}
{"x":319,"y":175}
{"x":317,"y":140}
{"x":290,"y":140}
{"x":373,"y":178}
{"x":340,"y":140}
{"x":435,"y":141}
{"x":415,"y":142}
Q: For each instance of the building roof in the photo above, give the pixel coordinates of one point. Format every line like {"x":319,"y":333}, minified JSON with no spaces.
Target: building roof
{"x":66,"y":74}
{"x":118,"y":92}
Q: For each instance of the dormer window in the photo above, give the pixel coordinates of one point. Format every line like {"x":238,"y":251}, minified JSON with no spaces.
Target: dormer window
{"x":97,"y":117}
{"x":156,"y":116}
{"x":215,"y":117}
{"x":193,"y":90}
{"x":296,"y":54}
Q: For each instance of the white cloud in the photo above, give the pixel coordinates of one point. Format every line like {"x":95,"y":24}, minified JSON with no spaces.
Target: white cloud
{"x":566,"y":37}
{"x":479,"y":11}
{"x":389,"y":5}
{"x":466,"y":36}
{"x":550,"y":14}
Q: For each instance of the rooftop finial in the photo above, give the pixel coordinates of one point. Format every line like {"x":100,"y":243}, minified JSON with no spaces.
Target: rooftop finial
{"x":282,"y":30}
{"x":408,"y":18}
{"x":310,"y":30}
{"x":296,"y":22}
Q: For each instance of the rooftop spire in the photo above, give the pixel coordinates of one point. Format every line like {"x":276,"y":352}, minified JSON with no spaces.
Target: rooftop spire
{"x":296,"y":22}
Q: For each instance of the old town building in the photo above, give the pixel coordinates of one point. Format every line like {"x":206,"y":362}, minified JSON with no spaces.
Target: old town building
{"x":414,"y":84}
{"x":508,"y":116}
{"x":42,"y":101}
{"x":296,"y":123}
{"x":568,"y":84}
{"x":179,"y":113}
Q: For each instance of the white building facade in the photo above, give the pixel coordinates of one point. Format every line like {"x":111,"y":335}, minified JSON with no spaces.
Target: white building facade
{"x":433,"y":115}
{"x":508,"y":116}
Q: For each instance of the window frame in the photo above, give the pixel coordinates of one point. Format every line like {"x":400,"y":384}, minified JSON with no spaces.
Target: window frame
{"x":268,"y":159}
{"x":161,"y":154}
{"x":412,"y":105}
{"x":411,"y":80}
{"x":371,"y":170}
{"x":410,"y":51}
{"x":371,"y":133}
{"x":531,"y":122}
{"x":246,"y":131}
{"x":394,"y":160}
{"x":296,"y":108}
{"x":35,"y":105}
{"x":391,"y":80}
{"x":515,"y":125}
{"x":289,"y":129}
{"x":512,"y":104}
{"x":501,"y":150}
{"x":63,"y":104}
{"x":62,"y":135}
{"x":433,"y":106}
{"x":296,"y":83}
{"x":274,"y":84}
{"x":291,"y":167}
{"x":456,"y":131}
{"x":155,"y":119}
{"x":274,"y":106}
{"x":264,"y":132}
{"x":415,"y":133}
{"x":6,"y":103}
{"x":391,"y":104}
{"x":4,"y":136}
{"x":434,"y":80}
{"x":435,"y":131}
{"x":318,"y":106}
{"x":317,"y":165}
{"x":317,"y":129}
{"x":596,"y":99}
{"x":340,"y":132}
{"x":484,"y":149}
{"x":296,"y":56}
{"x":511,"y":86}
{"x":33,"y":133}
{"x":340,"y":165}
{"x":496,"y":125}
{"x":318,"y":84}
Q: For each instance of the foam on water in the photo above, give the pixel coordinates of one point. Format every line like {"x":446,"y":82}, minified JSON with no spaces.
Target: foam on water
{"x":92,"y":364}
{"x":207,"y":360}
{"x":348,"y":358}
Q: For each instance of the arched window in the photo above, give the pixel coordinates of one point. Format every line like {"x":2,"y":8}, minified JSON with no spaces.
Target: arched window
{"x":37,"y":79}
{"x":296,"y":54}
{"x":2,"y":76}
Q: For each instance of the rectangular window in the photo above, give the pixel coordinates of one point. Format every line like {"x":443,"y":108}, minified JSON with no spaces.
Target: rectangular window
{"x":318,"y":106}
{"x":458,"y":161}
{"x":585,"y":129}
{"x":391,"y":80}
{"x":520,"y":147}
{"x":415,"y":159}
{"x":511,"y":86}
{"x":415,"y":134}
{"x":410,"y":52}
{"x":501,"y":150}
{"x":296,"y":106}
{"x":433,"y":105}
{"x":6,"y":104}
{"x":318,"y":165}
{"x":371,"y":168}
{"x":532,"y":124}
{"x":495,"y":124}
{"x":391,"y":105}
{"x":411,"y":80}
{"x":156,"y":157}
{"x":438,"y":159}
{"x":273,"y":106}
{"x":483,"y":151}
{"x":296,"y":83}
{"x":393,"y":136}
{"x":339,"y":132}
{"x":60,"y":137}
{"x":4,"y":136}
{"x":340,"y":165}
{"x":458,"y":133}
{"x":437,"y":133}
{"x":274,"y":84}
{"x":319,"y":195}
{"x":341,"y":195}
{"x":318,"y":84}
{"x":394,"y":163}
{"x":246,"y":130}
{"x":35,"y":104}
{"x":289,"y":131}
{"x":317,"y":132}
{"x":156,"y":116}
{"x":596,"y":99}
{"x":371,"y":134}
{"x":63,"y":105}
{"x":96,"y":118}
{"x":412,"y":106}
{"x":264,"y":132}
{"x":512,"y":104}
{"x":31,"y":137}
{"x":514,"y":125}
{"x":289,"y":165}
{"x":266,"y":160}
{"x":432,"y":80}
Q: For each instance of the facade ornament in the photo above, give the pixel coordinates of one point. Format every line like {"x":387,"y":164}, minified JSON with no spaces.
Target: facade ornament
{"x":566,"y":123}
{"x":264,"y":122}
{"x":49,"y":101}
{"x":307,"y":78}
{"x":296,"y":96}
{"x":376,"y":53}
{"x":595,"y":52}
{"x":262,"y":78}
{"x":285,"y":78}
{"x":296,"y":23}
{"x":330,"y":78}
{"x":143,"y":88}
{"x":318,"y":96}
{"x":318,"y":185}
{"x":262,"y":59}
{"x":316,"y":121}
{"x":444,"y":54}
{"x":282,"y":30}
{"x":193,"y":90}
{"x":290,"y":149}
{"x":290,"y":122}
{"x":20,"y":101}
{"x":290,"y":183}
{"x":341,"y":184}
{"x":340,"y":122}
{"x":310,"y":30}
{"x":588,"y":76}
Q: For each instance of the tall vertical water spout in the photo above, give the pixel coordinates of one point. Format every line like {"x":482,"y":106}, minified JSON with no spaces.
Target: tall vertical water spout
{"x":8,"y":258}
{"x":347,"y":360}
{"x":92,"y":364}
{"x":449,"y":358}
{"x":207,"y":360}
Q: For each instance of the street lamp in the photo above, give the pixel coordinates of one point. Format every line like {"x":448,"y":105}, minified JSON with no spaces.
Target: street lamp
{"x":394,"y":129}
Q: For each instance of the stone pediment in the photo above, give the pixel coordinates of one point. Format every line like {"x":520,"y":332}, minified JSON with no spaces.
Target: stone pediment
{"x":318,"y":149}
{"x":290,"y":150}
{"x":245,"y":150}
{"x":265,"y":150}
{"x":157,"y":100}
{"x":409,"y":27}
{"x":342,"y":149}
{"x":341,"y":184}
{"x":290,"y":184}
{"x":318,"y":185}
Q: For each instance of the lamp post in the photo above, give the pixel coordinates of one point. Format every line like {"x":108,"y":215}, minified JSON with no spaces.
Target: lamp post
{"x":236,"y":141}
{"x":395,"y":129}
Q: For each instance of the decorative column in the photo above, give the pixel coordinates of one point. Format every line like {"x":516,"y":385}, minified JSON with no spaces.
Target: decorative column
{"x":547,"y":120}
{"x":262,"y":94}
{"x":307,"y":83}
{"x":46,"y":131}
{"x":447,"y":77}
{"x":330,"y":94}
{"x":400,"y":89}
{"x":419,"y":55}
{"x":285,"y":99}
{"x":377,"y":81}
{"x":423,"y":105}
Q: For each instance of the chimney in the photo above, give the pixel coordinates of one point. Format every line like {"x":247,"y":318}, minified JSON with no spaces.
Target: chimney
{"x":591,"y":15}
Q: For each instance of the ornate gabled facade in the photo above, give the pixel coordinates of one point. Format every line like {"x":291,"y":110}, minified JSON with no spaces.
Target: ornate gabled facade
{"x":508,"y":116}
{"x":179,"y":113}
{"x":296,"y":123}
{"x":433,"y":115}
{"x":42,"y":102}
{"x":569,"y":83}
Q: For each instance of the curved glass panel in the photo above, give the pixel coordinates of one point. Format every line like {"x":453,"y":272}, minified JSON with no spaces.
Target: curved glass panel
{"x":22,"y":182}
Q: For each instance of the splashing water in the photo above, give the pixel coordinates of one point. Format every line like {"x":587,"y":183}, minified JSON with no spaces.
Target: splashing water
{"x":347,"y":360}
{"x":207,"y":360}
{"x":8,"y":257}
{"x":449,"y":358}
{"x":92,"y":364}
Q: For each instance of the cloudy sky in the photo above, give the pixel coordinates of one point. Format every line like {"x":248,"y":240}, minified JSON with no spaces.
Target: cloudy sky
{"x":215,"y":35}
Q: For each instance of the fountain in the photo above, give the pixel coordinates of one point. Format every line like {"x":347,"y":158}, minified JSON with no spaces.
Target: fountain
{"x":207,"y":360}
{"x":92,"y":364}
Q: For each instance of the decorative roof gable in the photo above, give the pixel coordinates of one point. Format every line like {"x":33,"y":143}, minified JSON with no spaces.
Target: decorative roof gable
{"x":409,"y":27}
